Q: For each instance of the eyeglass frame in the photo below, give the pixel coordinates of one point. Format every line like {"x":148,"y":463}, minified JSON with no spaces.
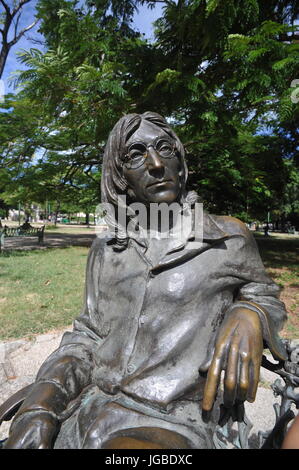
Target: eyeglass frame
{"x":145,"y":155}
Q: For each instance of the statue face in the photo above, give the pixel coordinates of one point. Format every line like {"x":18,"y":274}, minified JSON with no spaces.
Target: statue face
{"x":152,"y":167}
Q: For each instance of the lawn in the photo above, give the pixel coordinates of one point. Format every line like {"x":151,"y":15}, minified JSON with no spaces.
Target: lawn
{"x":280,"y":254}
{"x":42,"y":290}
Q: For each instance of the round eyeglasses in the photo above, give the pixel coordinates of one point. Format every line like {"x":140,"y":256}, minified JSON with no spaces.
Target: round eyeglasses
{"x":138,"y":152}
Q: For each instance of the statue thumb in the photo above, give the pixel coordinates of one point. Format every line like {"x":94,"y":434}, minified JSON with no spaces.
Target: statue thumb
{"x":204,"y":366}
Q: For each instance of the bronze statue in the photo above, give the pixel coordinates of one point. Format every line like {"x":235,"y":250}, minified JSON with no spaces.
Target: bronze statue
{"x":162,"y":318}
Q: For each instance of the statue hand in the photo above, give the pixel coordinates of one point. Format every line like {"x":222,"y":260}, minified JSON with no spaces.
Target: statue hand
{"x":238,"y":351}
{"x":33,"y":431}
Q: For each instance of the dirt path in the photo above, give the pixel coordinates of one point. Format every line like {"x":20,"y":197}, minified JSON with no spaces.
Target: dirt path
{"x":51,"y":240}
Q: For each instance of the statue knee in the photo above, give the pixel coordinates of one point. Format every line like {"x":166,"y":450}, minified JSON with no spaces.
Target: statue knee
{"x":130,"y":443}
{"x":147,"y":438}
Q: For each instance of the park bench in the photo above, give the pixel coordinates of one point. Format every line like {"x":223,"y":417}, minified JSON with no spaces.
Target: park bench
{"x":25,"y":230}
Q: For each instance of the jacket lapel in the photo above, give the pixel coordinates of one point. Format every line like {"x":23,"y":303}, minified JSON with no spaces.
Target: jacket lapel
{"x":184,"y":250}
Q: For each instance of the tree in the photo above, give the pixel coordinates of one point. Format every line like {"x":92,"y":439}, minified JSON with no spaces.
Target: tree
{"x":220,"y":71}
{"x":10,"y":19}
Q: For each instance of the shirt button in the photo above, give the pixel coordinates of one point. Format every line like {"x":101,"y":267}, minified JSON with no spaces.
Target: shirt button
{"x":130,"y":368}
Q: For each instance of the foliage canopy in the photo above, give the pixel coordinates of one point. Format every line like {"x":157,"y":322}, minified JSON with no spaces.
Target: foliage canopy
{"x":223,"y":73}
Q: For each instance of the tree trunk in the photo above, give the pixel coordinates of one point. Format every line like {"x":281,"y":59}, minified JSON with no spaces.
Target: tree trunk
{"x":56,"y":211}
{"x":3,"y":57}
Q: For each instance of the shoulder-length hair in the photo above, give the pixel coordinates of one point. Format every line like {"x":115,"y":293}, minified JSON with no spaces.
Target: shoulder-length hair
{"x":113,"y":183}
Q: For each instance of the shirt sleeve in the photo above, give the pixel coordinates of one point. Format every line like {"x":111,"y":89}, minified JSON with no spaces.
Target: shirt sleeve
{"x":258,"y":292}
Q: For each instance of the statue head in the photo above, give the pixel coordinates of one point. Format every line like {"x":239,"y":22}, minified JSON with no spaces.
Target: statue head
{"x":144,"y":160}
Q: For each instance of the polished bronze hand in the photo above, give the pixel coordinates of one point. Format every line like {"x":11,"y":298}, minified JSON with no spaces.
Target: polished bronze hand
{"x":238,"y":352}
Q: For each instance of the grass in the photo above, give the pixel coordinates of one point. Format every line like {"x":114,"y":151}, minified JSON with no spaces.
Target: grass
{"x":70,"y":230}
{"x":280,"y":255}
{"x":40,"y":290}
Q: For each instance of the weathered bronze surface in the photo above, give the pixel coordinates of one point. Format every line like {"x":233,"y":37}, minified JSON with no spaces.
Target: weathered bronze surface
{"x":162,"y":318}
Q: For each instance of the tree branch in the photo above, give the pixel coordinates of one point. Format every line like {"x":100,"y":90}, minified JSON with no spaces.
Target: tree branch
{"x":6,"y":7}
{"x":40,"y":42}
{"x":69,"y":174}
{"x":21,"y":33}
{"x":168,"y":2}
{"x":7,"y":24}
{"x":19,"y":6}
{"x":17,"y":24}
{"x":87,"y":173}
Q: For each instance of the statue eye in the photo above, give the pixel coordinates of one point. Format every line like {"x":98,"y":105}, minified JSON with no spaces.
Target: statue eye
{"x":136,"y":153}
{"x":165,"y":148}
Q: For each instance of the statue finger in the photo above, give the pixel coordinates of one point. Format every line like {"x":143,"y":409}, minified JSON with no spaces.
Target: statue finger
{"x":212,"y":383}
{"x":254,"y":374}
{"x":243,"y":385}
{"x":231,"y":376}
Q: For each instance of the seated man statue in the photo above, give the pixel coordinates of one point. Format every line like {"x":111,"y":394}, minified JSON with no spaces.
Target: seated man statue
{"x":164,"y":316}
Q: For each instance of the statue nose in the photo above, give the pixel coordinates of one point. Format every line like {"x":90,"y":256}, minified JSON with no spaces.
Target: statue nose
{"x":154,"y":160}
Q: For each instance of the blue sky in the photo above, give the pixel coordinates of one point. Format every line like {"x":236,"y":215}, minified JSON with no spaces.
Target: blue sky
{"x":143,"y":22}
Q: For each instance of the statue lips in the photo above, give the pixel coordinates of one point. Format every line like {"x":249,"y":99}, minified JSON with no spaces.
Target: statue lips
{"x":159,"y":183}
